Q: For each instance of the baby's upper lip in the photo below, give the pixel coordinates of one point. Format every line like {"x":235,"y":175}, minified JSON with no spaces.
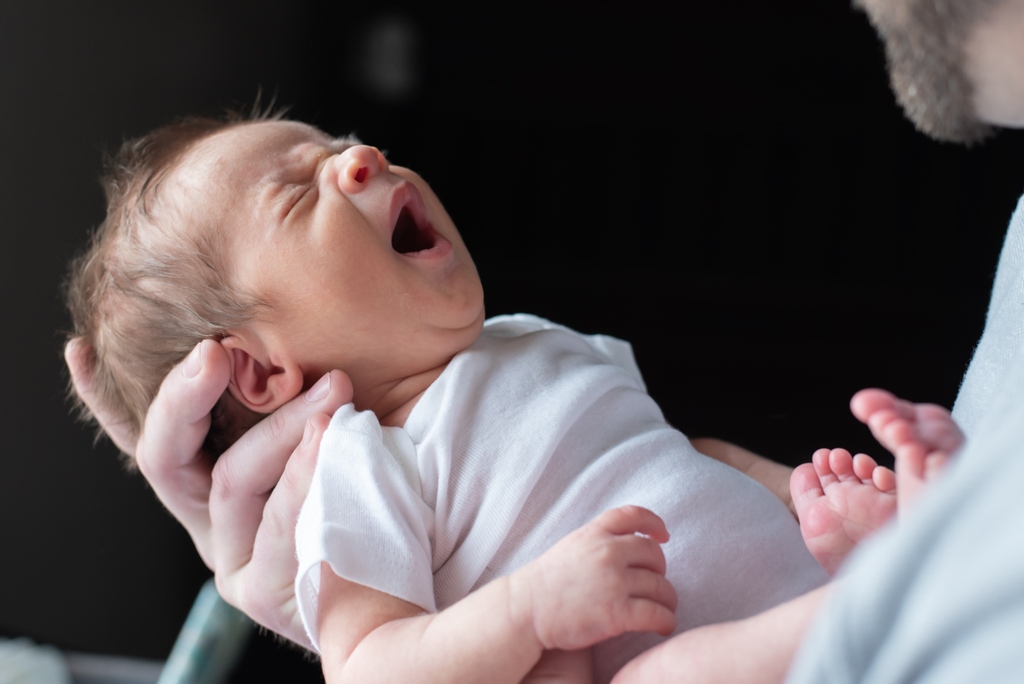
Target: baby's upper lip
{"x":407,"y":197}
{"x":413,"y":232}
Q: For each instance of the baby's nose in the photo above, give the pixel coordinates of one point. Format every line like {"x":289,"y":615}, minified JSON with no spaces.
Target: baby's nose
{"x":357,"y":165}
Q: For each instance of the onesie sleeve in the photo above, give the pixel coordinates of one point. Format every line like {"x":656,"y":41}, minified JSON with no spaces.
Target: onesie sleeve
{"x":365,"y":516}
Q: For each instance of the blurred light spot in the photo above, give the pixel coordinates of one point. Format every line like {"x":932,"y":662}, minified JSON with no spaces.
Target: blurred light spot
{"x":388,"y":58}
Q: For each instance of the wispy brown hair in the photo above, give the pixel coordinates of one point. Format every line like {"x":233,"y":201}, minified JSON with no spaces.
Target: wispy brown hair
{"x":150,"y":285}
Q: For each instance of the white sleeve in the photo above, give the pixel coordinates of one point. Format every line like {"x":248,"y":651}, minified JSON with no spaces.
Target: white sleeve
{"x":365,"y":516}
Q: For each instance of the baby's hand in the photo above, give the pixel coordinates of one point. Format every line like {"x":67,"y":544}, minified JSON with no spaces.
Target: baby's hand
{"x":598,"y":582}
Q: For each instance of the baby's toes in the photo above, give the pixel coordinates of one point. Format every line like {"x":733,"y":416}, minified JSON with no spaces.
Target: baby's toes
{"x":884,"y":479}
{"x":805,"y":486}
{"x":864,"y":467}
{"x":841,"y":464}
{"x":822,"y":462}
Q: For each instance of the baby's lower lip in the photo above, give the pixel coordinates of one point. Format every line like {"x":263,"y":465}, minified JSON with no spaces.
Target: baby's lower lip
{"x":441,"y":248}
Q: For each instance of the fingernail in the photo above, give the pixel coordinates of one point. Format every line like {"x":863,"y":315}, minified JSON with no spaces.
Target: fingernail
{"x":319,"y":390}
{"x":194,"y":362}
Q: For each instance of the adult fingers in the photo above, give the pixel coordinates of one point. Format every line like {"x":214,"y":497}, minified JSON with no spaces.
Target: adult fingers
{"x":79,"y":357}
{"x":170,"y":453}
{"x":270,"y":574}
{"x":246,"y":473}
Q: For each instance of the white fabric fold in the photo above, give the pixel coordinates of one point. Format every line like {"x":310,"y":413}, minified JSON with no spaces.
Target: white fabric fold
{"x":527,"y":435}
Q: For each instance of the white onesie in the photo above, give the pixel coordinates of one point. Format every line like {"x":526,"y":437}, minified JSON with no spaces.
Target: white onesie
{"x":527,"y":435}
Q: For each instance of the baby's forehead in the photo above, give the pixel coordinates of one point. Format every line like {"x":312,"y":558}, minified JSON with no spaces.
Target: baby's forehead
{"x":252,"y":149}
{"x":230,"y":165}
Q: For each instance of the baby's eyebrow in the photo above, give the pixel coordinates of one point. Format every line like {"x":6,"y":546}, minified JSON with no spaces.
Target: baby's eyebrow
{"x":298,"y":163}
{"x":293,"y":167}
{"x":342,"y":143}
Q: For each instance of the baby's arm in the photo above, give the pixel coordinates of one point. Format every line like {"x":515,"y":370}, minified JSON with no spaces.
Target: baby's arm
{"x":756,"y":649}
{"x":774,"y":476}
{"x":600,"y":581}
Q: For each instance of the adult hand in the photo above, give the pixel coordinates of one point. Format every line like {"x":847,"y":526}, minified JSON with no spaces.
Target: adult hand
{"x":241,"y":511}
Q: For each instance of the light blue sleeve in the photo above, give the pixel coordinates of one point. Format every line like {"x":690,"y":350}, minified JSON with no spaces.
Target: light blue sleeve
{"x":1003,"y":335}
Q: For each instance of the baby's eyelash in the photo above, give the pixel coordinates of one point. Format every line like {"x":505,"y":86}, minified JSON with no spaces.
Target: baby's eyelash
{"x":295,"y":196}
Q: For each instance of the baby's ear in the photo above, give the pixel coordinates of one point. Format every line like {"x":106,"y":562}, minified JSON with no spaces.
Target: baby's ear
{"x":258,"y":382}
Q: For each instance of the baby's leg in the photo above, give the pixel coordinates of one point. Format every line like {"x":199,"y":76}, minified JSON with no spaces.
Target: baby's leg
{"x":563,"y":667}
{"x":756,"y":649}
{"x":922,"y":437}
{"x":840,"y":499}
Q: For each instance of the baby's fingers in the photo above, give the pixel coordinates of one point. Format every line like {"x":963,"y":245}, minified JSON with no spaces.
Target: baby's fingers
{"x":643,"y":553}
{"x":653,"y":608}
{"x":651,"y":586}
{"x":633,"y":520}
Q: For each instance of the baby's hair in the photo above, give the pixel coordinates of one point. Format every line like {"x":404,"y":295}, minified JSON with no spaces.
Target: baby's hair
{"x":150,"y":286}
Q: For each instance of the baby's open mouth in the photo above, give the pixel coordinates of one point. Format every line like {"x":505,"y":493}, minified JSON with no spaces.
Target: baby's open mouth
{"x":409,"y":236}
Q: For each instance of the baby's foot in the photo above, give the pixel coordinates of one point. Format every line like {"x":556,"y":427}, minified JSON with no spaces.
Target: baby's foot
{"x":921,"y":437}
{"x":840,"y":499}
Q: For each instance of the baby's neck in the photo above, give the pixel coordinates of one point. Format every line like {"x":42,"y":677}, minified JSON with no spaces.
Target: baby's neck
{"x":394,"y":406}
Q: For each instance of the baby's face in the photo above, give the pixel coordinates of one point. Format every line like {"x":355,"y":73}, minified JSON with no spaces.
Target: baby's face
{"x":360,"y":264}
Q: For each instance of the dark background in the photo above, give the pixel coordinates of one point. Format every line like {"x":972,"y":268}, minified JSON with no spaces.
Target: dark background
{"x":730,"y":187}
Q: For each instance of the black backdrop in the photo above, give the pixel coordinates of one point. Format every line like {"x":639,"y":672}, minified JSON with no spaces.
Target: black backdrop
{"x":731,"y":188}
